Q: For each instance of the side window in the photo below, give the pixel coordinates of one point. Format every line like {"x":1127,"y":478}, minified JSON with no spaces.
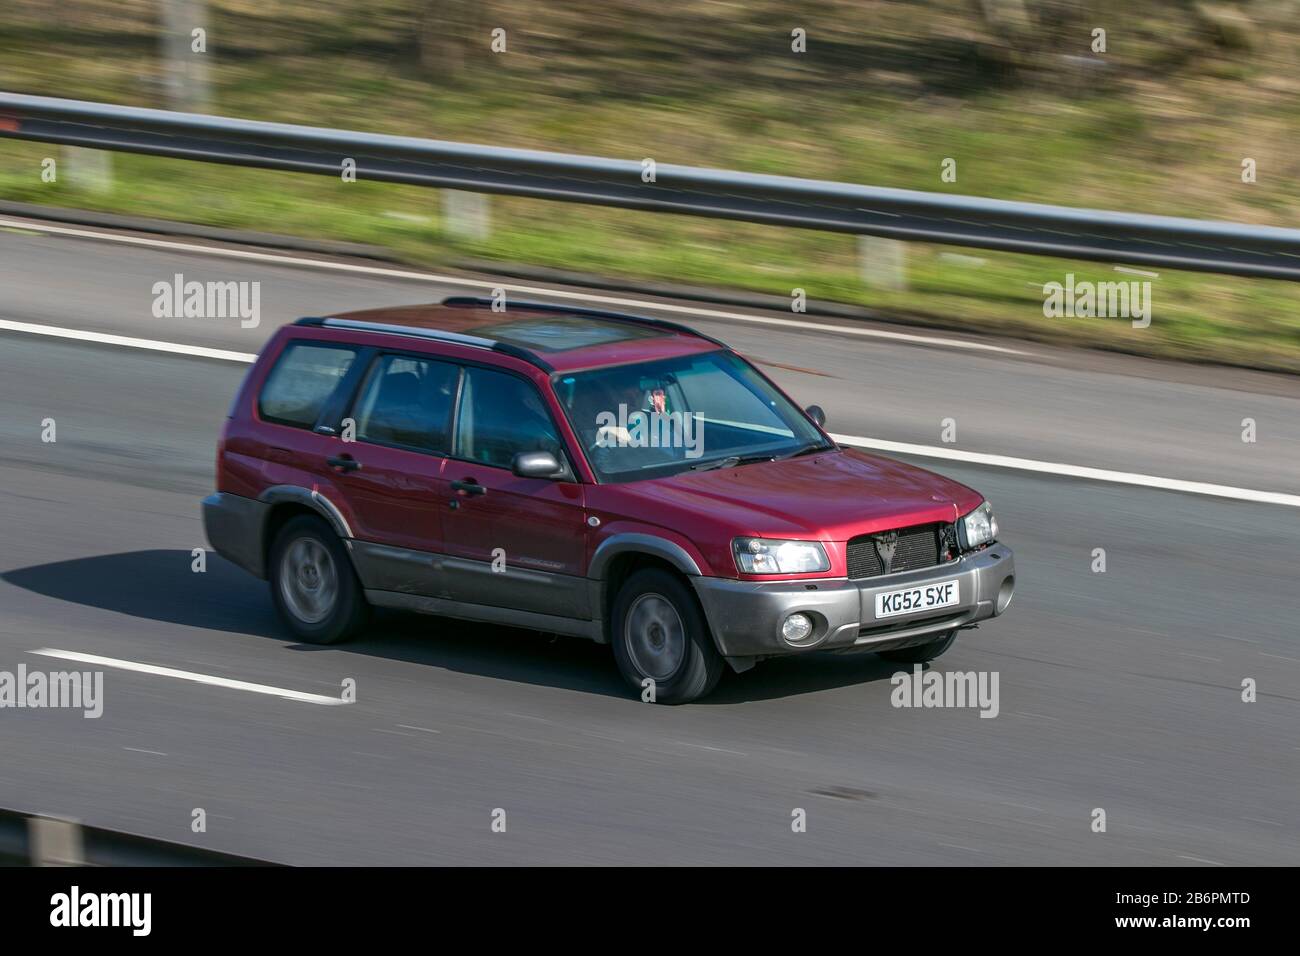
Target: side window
{"x":500,"y":416}
{"x":302,"y":381}
{"x":407,"y":401}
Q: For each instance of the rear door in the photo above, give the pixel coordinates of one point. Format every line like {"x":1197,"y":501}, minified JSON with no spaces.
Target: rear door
{"x":388,"y":458}
{"x":292,"y":444}
{"x":511,"y":542}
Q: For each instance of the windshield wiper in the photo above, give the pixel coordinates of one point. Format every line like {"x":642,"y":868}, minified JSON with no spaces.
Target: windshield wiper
{"x":731,"y":461}
{"x":811,"y":449}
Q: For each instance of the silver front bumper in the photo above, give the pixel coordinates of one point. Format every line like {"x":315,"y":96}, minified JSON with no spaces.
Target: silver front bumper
{"x":746,"y":616}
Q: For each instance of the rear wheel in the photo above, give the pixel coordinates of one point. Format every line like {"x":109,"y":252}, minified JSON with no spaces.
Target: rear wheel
{"x":920,"y":653}
{"x":313,"y":586}
{"x":660,"y":636}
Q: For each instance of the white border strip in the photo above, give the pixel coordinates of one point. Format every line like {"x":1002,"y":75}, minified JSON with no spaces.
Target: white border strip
{"x":639,"y":304}
{"x":190,"y":676}
{"x":125,"y":340}
{"x":1073,"y":471}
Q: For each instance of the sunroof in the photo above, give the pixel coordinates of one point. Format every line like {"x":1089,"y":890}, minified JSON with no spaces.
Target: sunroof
{"x":560,"y":333}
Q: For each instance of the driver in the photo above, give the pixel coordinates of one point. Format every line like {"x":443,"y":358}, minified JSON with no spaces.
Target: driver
{"x":614,"y":447}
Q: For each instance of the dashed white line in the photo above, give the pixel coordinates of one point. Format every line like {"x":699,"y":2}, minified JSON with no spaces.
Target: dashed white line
{"x":958,"y":846}
{"x":483,"y":284}
{"x":426,"y":730}
{"x":189,"y":676}
{"x":716,"y":750}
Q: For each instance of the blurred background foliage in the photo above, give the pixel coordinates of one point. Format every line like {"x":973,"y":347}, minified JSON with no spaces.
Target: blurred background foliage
{"x":1012,"y":89}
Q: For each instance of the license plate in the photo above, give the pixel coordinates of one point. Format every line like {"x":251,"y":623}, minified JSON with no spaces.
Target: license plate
{"x":926,"y":597}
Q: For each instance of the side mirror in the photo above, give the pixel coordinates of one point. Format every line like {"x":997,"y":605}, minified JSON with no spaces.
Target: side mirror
{"x":816,"y":414}
{"x":536,"y":464}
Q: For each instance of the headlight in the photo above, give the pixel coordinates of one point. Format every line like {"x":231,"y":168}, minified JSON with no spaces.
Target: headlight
{"x":977,"y":528}
{"x":773,"y":556}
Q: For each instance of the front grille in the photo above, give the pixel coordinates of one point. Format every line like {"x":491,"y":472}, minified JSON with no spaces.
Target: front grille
{"x":921,"y":546}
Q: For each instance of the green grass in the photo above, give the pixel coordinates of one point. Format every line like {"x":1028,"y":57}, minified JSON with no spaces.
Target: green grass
{"x":1172,"y":148}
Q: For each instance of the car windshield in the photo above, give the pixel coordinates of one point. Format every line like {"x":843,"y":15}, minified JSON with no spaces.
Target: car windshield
{"x":711,"y":409}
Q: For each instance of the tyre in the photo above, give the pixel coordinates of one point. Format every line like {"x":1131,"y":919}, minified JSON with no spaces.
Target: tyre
{"x":313,"y":585}
{"x":920,"y":653}
{"x":659,"y":634}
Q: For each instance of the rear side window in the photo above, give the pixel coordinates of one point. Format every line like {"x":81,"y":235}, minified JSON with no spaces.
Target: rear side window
{"x":303,"y":379}
{"x":500,"y":416}
{"x":407,"y":401}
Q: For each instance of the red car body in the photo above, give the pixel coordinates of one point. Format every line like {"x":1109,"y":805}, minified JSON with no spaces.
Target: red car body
{"x":423,"y":530}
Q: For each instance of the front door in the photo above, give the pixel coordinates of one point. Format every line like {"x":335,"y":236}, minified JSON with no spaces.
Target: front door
{"x":511,"y":542}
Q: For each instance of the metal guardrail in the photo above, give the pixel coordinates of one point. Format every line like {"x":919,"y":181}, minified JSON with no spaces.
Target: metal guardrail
{"x":1161,"y":241}
{"x":32,"y":840}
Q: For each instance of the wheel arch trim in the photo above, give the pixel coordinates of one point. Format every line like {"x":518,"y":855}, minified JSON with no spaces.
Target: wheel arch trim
{"x":642,"y":543}
{"x":310,"y":498}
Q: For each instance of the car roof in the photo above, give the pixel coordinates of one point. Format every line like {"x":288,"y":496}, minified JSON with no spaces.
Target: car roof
{"x":555,"y":338}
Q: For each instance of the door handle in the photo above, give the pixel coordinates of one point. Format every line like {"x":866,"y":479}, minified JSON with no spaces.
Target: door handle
{"x":469,"y":486}
{"x":343,"y":462}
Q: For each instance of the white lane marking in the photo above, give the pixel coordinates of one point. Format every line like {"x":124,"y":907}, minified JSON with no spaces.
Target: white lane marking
{"x":1073,"y":471}
{"x":127,"y":341}
{"x":407,"y":274}
{"x":716,"y":750}
{"x":876,"y":444}
{"x":189,"y":675}
{"x":427,"y":730}
{"x":137,"y":750}
{"x":1272,"y":823}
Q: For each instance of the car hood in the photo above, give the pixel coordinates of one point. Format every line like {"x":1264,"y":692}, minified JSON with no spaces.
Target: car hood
{"x":832,"y":496}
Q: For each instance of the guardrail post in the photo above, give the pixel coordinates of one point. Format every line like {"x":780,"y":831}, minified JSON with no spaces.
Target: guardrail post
{"x":90,"y":170}
{"x":55,"y":842}
{"x":466,"y":215}
{"x":183,"y":42}
{"x":882,"y":263}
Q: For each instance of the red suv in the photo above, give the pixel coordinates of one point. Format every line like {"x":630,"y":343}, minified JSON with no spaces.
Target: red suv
{"x":609,"y":476}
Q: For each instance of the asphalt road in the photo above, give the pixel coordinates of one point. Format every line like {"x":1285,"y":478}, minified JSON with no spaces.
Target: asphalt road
{"x":1119,"y":691}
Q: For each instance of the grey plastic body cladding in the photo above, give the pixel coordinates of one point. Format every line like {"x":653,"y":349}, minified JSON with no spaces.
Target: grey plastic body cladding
{"x":472,"y":583}
{"x":510,"y":617}
{"x":744,"y":616}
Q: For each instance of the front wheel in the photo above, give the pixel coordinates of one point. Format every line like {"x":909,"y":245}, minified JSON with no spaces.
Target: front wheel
{"x":661,"y":641}
{"x":313,"y":586}
{"x":920,"y":653}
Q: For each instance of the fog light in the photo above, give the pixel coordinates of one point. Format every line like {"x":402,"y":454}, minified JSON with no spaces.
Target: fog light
{"x":796,"y":628}
{"x":1004,"y":593}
